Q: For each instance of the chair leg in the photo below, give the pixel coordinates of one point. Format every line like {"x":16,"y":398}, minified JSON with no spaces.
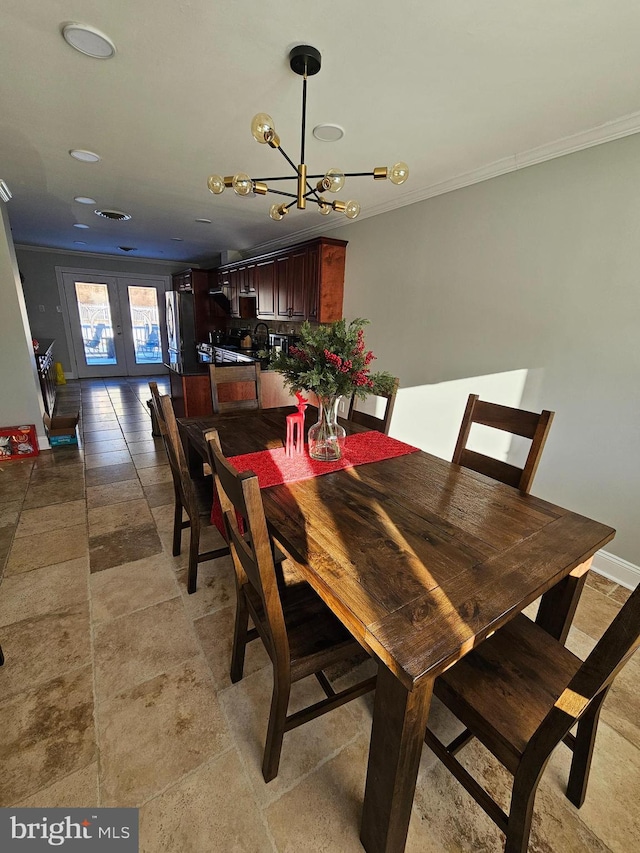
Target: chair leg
{"x":277,"y":721}
{"x":523,"y":796}
{"x":583,"y":752}
{"x":194,"y":546}
{"x":177,"y":525}
{"x":1,"y":656}
{"x":239,"y":637}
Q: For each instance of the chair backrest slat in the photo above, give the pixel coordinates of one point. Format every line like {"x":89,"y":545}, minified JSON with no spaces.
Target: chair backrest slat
{"x":242,"y":381}
{"x":239,"y":494}
{"x":178,"y":461}
{"x":515,"y":421}
{"x":371,"y":421}
{"x":609,"y":655}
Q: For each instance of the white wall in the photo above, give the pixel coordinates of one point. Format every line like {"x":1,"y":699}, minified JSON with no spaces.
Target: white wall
{"x":20,"y":397}
{"x":535,"y":271}
{"x":41,"y":287}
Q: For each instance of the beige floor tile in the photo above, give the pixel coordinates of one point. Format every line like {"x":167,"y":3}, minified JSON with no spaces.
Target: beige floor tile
{"x":47,"y":733}
{"x":215,"y":633}
{"x":457,"y":823}
{"x":150,"y":445}
{"x":57,"y":475}
{"x":47,"y":518}
{"x":123,"y":546}
{"x":43,"y":647}
{"x":134,"y":436}
{"x":111,"y":493}
{"x":52,"y":588}
{"x":213,"y":806}
{"x":157,"y":732}
{"x":117,"y":516}
{"x":141,"y":645}
{"x":9,"y":513}
{"x":76,"y":791}
{"x":111,"y":474}
{"x":54,"y":493}
{"x":45,"y":549}
{"x":599,"y":582}
{"x":96,"y":437}
{"x":113,"y":457}
{"x":132,"y":586}
{"x":595,"y":612}
{"x":159,"y":474}
{"x":322,"y":814}
{"x":160,"y":494}
{"x":610,"y":809}
{"x":246,"y":705}
{"x":620,"y":594}
{"x":150,"y":460}
{"x":215,"y":587}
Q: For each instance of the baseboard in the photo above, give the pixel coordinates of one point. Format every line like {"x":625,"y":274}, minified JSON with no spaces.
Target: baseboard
{"x":616,"y":569}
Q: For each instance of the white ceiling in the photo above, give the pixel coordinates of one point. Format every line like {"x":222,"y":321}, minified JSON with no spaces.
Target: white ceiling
{"x":450,"y":87}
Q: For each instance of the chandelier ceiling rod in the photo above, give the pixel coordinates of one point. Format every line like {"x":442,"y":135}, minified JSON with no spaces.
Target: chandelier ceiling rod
{"x":305,"y":61}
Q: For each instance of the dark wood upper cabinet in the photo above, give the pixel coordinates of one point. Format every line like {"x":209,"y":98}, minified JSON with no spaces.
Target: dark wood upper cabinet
{"x":206,"y":313}
{"x":303,"y":282}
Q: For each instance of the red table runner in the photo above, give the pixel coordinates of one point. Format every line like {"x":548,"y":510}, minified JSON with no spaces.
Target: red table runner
{"x":274,"y":467}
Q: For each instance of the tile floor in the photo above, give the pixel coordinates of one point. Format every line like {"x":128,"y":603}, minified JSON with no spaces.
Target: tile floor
{"x":116,"y":687}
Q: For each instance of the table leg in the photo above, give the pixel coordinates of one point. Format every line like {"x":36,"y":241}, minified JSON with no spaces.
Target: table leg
{"x":558,"y":605}
{"x":399,"y":723}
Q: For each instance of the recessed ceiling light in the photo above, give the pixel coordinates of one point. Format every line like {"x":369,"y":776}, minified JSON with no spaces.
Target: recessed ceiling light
{"x":88,"y":40}
{"x":328,"y":132}
{"x":84,"y":199}
{"x":178,"y":239}
{"x":79,"y":225}
{"x":84,"y":156}
{"x":206,"y":221}
{"x":80,"y":242}
{"x":117,"y":215}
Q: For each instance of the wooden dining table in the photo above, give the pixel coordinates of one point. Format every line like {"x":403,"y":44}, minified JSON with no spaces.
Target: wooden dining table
{"x":421,"y":560}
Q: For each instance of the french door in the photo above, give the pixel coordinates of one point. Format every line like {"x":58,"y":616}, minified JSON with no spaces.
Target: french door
{"x":116,"y":323}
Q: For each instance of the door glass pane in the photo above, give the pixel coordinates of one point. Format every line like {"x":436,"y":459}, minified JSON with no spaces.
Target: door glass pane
{"x":95,"y":322}
{"x":145,"y":322}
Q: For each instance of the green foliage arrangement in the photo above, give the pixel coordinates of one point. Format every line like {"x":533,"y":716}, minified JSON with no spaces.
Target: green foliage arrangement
{"x":332,"y":360}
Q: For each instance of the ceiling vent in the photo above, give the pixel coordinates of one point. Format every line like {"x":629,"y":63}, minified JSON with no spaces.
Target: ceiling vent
{"x":113,"y":214}
{"x":127,"y":248}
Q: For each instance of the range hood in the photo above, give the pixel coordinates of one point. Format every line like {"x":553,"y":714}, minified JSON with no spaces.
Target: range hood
{"x":220,"y":298}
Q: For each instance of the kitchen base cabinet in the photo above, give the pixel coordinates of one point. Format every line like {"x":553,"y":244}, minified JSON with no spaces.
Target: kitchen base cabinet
{"x":191,"y":394}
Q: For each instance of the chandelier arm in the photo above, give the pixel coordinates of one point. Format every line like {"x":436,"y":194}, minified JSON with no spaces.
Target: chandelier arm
{"x":282,"y":178}
{"x":288,"y":159}
{"x":280,"y":192}
{"x":359,"y":174}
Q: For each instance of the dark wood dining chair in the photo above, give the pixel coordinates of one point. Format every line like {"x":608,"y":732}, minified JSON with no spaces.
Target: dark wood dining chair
{"x":235,"y":387}
{"x":520,"y":692}
{"x":515,"y":421}
{"x":193,"y":498}
{"x":299,"y":632}
{"x":371,"y":421}
{"x":1,"y":656}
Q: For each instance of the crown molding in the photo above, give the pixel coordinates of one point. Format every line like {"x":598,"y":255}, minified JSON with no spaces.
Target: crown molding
{"x":103,"y":256}
{"x":608,"y":132}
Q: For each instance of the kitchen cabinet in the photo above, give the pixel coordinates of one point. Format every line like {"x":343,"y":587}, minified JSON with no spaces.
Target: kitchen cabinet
{"x":207,"y":314}
{"x":302,"y":282}
{"x":191,"y":394}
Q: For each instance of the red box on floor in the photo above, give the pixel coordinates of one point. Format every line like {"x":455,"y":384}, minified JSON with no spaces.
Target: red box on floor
{"x":18,"y":442}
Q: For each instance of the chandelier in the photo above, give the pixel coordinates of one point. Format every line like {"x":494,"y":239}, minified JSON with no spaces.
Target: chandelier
{"x":304,"y":61}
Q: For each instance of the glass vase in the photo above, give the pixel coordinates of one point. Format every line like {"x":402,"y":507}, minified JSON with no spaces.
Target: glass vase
{"x":326,"y":437}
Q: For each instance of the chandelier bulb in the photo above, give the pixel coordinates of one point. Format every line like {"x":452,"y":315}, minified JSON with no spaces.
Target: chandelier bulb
{"x":352,"y":210}
{"x":333,"y":181}
{"x":398,"y":173}
{"x":262,"y":128}
{"x":278,"y":211}
{"x":215,"y":184}
{"x":324,"y":206}
{"x":242,"y":184}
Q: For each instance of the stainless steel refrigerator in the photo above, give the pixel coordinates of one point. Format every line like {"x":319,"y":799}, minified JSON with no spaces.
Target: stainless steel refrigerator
{"x":181,"y":333}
